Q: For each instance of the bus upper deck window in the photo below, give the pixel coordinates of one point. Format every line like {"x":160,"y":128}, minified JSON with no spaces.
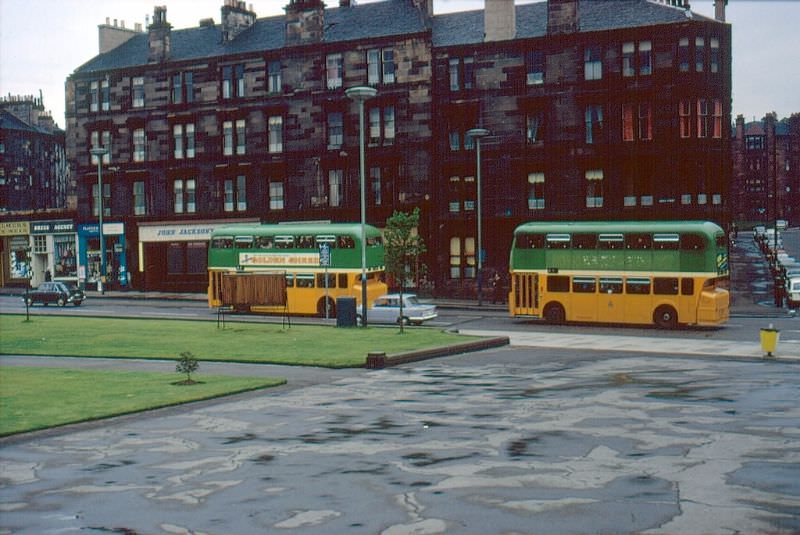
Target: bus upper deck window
{"x":663,"y":242}
{"x":264,"y":242}
{"x":692,"y":242}
{"x":222,"y":242}
{"x":584,"y":241}
{"x":558,"y":241}
{"x":374,"y":241}
{"x":722,"y":241}
{"x":244,"y":242}
{"x":327,"y":240}
{"x":610,"y":241}
{"x":638,"y":241}
{"x":305,"y":242}
{"x":530,"y":241}
{"x":346,"y":242}
{"x":284,"y":242}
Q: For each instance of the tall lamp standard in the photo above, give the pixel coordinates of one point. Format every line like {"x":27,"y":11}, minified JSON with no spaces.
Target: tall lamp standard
{"x":99,"y":152}
{"x":477,"y":134}
{"x":361,"y":94}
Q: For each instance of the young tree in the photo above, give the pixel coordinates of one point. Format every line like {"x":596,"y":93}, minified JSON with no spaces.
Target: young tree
{"x":404,"y":246}
{"x":187,"y":364}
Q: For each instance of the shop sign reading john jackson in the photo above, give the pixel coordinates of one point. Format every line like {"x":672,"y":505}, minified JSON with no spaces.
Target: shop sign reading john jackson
{"x":175,"y":233}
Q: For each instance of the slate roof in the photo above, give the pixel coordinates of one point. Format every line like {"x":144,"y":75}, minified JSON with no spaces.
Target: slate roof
{"x":465,"y":28}
{"x":380,"y":19}
{"x":383,"y":19}
{"x":9,"y":121}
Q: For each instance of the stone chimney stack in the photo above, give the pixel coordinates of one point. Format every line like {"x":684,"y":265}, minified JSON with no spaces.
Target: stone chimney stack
{"x":236,"y":18}
{"x":158,"y":34}
{"x":425,"y":8}
{"x":111,"y":37}
{"x":719,"y":9}
{"x":563,"y":16}
{"x":305,"y":22}
{"x":499,"y":20}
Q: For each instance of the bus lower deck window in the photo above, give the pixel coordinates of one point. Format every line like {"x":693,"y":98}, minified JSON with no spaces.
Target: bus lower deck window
{"x":665,"y":286}
{"x":687,"y":286}
{"x":558,"y":283}
{"x":637,"y":286}
{"x":584,"y":284}
{"x":613,"y":286}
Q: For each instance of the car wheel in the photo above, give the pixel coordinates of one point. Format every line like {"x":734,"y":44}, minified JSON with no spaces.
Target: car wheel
{"x":29,"y":301}
{"x":61,"y":302}
{"x":77,"y":303}
{"x":554,"y":313}
{"x":402,"y":321}
{"x":359,"y":320}
{"x":665,"y":317}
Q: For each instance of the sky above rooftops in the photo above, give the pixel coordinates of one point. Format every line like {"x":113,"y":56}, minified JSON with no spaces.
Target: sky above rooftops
{"x":44,"y":41}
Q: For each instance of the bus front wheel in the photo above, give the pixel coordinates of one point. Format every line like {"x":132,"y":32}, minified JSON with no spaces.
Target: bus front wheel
{"x":665,"y":317}
{"x":331,"y":307}
{"x":554,"y":313}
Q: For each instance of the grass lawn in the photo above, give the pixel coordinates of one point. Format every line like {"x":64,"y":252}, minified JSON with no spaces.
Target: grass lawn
{"x":36,"y":398}
{"x":237,"y":342}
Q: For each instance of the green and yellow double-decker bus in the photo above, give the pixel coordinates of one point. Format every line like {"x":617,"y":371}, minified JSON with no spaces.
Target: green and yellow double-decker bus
{"x":313,"y":264}
{"x":641,"y":272}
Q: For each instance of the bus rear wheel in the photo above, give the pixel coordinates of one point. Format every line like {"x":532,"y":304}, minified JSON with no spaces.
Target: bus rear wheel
{"x":665,"y":317}
{"x":331,"y":307}
{"x":554,"y":313}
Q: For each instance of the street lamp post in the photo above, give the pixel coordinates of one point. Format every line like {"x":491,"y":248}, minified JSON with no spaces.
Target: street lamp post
{"x":99,"y":152}
{"x":477,"y":134}
{"x":360,"y":94}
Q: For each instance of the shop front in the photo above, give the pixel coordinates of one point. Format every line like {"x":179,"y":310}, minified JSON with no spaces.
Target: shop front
{"x":15,"y":267}
{"x":54,"y":251}
{"x":89,"y":264}
{"x":174,"y":257}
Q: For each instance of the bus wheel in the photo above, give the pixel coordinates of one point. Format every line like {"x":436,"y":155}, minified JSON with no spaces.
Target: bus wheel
{"x":554,"y":313}
{"x":331,"y":307}
{"x":665,"y":317}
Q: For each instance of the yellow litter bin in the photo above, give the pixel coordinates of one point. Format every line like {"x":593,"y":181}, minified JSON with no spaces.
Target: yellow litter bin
{"x":769,"y":340}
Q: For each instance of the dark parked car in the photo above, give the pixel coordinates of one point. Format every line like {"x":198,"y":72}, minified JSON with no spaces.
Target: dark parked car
{"x":55,"y":292}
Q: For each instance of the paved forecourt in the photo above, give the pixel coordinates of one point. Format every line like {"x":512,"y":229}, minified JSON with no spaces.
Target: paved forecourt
{"x":645,"y":344}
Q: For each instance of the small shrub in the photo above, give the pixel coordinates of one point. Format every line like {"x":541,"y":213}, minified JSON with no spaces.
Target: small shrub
{"x":187,"y":364}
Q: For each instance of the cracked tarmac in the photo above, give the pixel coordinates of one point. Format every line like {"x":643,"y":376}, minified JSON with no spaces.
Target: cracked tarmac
{"x":502,"y":441}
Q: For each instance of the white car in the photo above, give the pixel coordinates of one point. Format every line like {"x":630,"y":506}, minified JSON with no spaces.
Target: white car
{"x":386,"y":309}
{"x":793,"y":292}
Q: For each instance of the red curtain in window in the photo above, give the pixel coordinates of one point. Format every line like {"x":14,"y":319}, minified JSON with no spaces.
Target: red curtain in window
{"x":627,"y":122}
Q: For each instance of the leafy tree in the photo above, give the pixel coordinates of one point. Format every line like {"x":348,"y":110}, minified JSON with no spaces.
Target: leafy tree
{"x":404,"y":246}
{"x":187,"y":364}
